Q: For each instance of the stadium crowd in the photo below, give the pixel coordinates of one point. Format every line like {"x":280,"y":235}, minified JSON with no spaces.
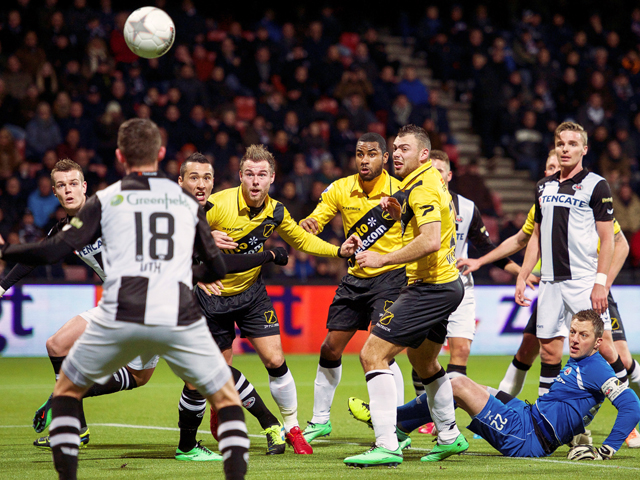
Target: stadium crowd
{"x":307,"y":89}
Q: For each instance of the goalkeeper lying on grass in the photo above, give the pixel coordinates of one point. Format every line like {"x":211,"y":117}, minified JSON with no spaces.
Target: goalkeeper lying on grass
{"x":518,"y":429}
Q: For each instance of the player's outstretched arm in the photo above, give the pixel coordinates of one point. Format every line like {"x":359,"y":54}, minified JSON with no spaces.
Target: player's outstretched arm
{"x":81,"y":230}
{"x":626,"y":402}
{"x":16,"y":274}
{"x":511,"y":245}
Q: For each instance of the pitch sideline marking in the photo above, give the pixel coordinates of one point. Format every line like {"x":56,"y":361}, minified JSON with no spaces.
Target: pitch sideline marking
{"x":173,"y":429}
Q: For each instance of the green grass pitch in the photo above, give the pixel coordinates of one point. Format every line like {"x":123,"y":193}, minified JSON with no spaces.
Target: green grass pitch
{"x":134,"y":434}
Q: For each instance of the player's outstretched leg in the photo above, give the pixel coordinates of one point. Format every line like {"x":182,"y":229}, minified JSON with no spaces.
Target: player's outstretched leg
{"x":191,"y":410}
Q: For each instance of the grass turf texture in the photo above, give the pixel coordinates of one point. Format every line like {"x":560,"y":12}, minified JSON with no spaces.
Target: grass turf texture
{"x":124,"y":446}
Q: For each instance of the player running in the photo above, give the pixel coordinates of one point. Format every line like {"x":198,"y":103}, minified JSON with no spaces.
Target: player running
{"x":248,"y":217}
{"x":519,"y":429}
{"x":364,"y":294}
{"x":150,"y":229}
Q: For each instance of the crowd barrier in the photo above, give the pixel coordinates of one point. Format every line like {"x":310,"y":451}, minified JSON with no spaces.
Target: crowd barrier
{"x":29,"y":314}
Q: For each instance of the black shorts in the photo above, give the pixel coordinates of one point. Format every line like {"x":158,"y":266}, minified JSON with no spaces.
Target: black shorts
{"x":617,"y":329}
{"x":421,"y":311}
{"x":531,"y":324}
{"x":251,"y":310}
{"x":360,"y":302}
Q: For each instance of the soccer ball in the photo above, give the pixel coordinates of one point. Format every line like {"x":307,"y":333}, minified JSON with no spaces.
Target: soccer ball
{"x":149,"y":32}
{"x":582,"y":452}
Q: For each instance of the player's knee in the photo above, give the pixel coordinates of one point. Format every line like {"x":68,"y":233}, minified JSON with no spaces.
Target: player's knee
{"x":329,"y":351}
{"x":142,"y":377}
{"x":274,"y":361}
{"x":459,"y":385}
{"x":55,"y":347}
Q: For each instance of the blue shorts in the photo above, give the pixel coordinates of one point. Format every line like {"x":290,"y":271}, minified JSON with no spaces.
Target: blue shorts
{"x":508,"y":428}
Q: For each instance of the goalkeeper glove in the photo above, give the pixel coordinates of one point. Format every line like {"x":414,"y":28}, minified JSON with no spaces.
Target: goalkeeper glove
{"x":605,"y":452}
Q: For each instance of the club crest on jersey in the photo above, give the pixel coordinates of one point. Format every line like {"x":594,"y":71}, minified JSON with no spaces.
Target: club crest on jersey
{"x":567,"y":371}
{"x":577,"y":187}
{"x":459,"y":219}
{"x":270,"y":317}
{"x":268,"y":230}
{"x":116,"y":200}
{"x":540,"y":188}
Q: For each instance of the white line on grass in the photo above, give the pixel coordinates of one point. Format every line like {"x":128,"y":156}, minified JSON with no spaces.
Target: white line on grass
{"x":546,"y":460}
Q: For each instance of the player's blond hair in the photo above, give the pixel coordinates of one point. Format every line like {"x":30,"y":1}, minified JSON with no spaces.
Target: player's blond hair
{"x":592,"y":317}
{"x":571,"y":127}
{"x":258,"y":153}
{"x":66,"y":165}
{"x":442,"y":156}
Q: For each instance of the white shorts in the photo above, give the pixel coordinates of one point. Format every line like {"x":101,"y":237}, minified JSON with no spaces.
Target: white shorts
{"x":462,"y":322}
{"x":137,"y":363}
{"x":558,"y":301}
{"x":105,"y":346}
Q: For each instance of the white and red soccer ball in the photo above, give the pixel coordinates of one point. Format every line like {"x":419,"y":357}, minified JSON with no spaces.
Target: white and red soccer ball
{"x":149,"y":32}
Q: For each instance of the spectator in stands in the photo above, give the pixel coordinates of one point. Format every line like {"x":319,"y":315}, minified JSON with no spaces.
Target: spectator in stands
{"x":627,"y":209}
{"x":301,"y":178}
{"x":28,"y":231}
{"x":469,"y":183}
{"x":592,"y":114}
{"x":10,"y":158}
{"x":289,"y":198}
{"x":192,"y":90}
{"x":355,"y":109}
{"x":354,"y":81}
{"x":614,"y":159}
{"x":411,"y":86}
{"x":69,"y":147}
{"x":283,"y":152}
{"x":42,"y":202}
{"x":486,"y":101}
{"x":47,"y":82}
{"x":43,"y":133}
{"x":528,"y":147}
{"x":16,"y":80}
{"x":31,"y":56}
{"x":218,"y":91}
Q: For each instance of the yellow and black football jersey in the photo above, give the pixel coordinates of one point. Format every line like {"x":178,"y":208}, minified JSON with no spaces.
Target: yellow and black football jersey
{"x":362,"y":215}
{"x":426,"y":200}
{"x":230,"y":213}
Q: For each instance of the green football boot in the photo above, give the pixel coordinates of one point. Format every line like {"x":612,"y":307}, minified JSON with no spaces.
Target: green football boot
{"x":42,"y":418}
{"x":404,"y":440}
{"x":375,"y":457}
{"x":315,"y":430}
{"x":199,"y":453}
{"x":440,"y":452}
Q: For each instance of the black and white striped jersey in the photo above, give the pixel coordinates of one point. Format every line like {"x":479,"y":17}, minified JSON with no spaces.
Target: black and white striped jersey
{"x":150,"y":229}
{"x":567,"y":213}
{"x":470,"y":228}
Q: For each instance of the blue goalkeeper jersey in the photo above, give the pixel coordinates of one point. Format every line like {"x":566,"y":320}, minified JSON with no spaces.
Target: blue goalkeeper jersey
{"x":576,"y":396}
